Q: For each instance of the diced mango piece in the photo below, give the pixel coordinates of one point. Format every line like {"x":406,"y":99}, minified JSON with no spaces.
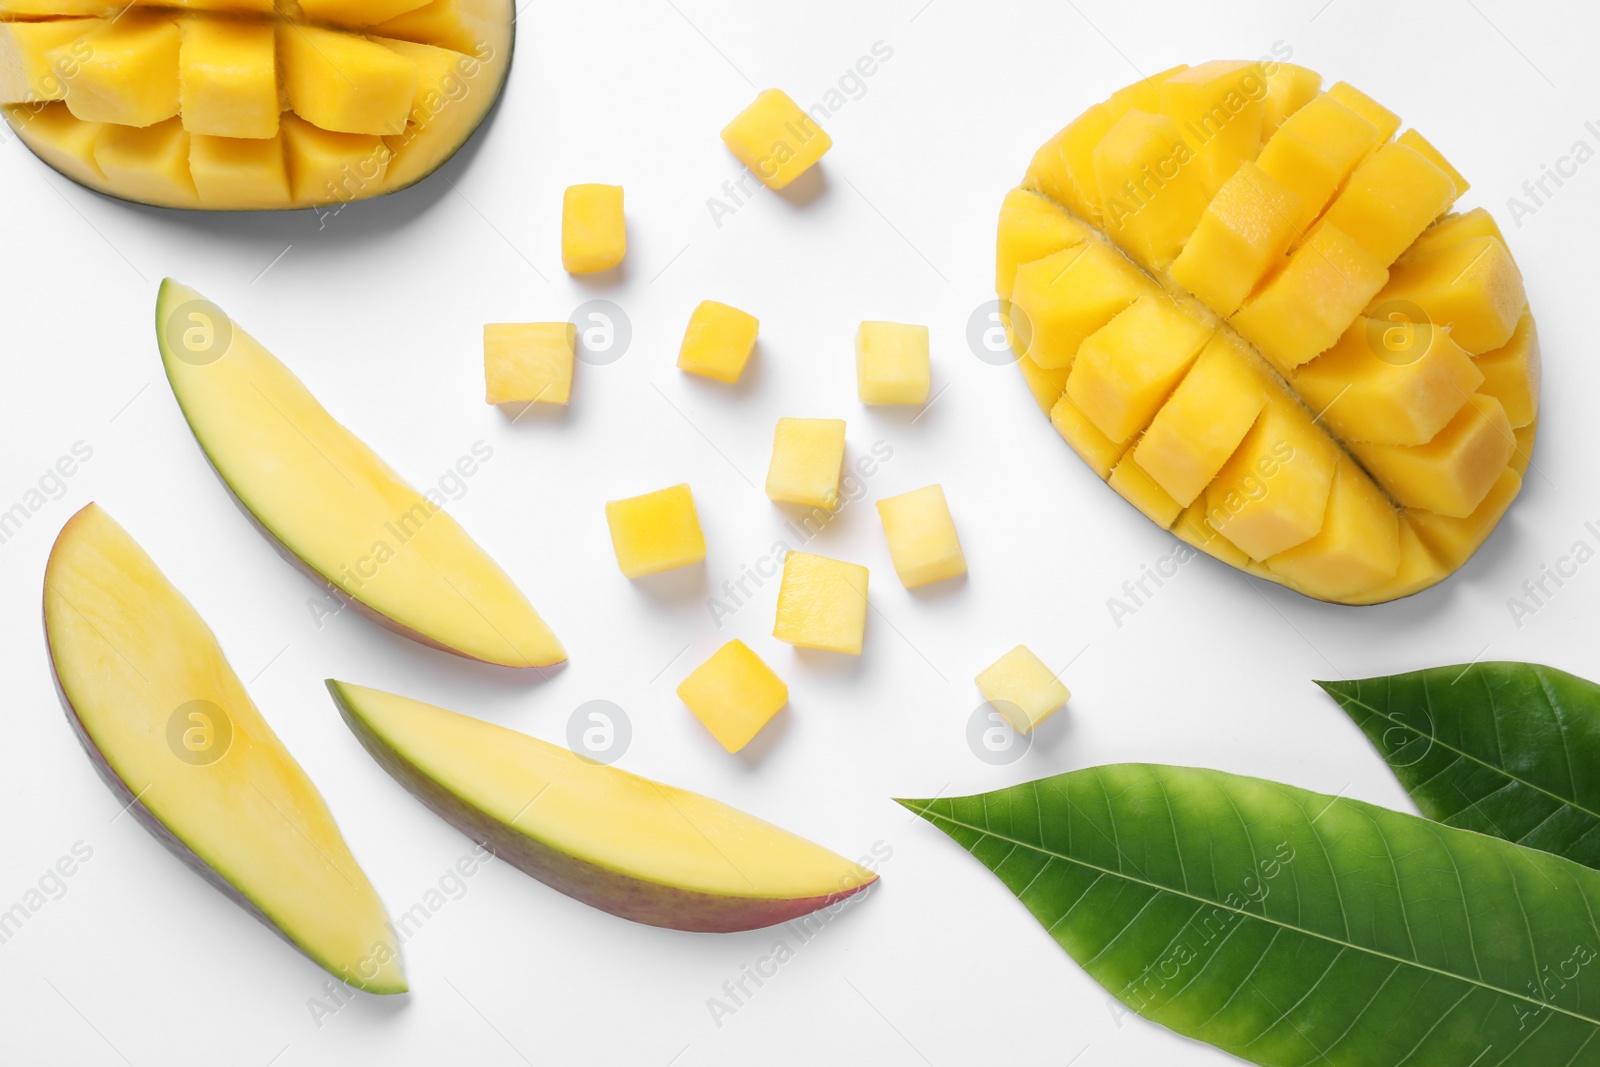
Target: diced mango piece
{"x":1031,"y":227}
{"x":124,"y":72}
{"x":892,"y":363}
{"x":1453,"y":229}
{"x":734,"y":694}
{"x":1219,"y":107}
{"x":1453,"y":541}
{"x":441,"y":78}
{"x":1021,"y":688}
{"x":1070,"y":294}
{"x":346,"y":83}
{"x":1127,"y":368}
{"x":1313,"y":298}
{"x":718,"y":341}
{"x":1045,"y":385}
{"x":922,"y":536}
{"x":1315,"y":150}
{"x":1472,"y":286}
{"x":1393,"y":383}
{"x":1416,"y":571}
{"x":1195,"y":529}
{"x":1421,"y":145}
{"x":594,"y":234}
{"x":1358,"y":546}
{"x":1289,"y":88}
{"x":530,"y":362}
{"x":327,"y":167}
{"x":1511,"y":373}
{"x":27,"y":67}
{"x":1452,"y":473}
{"x":1386,"y":122}
{"x":1392,"y":197}
{"x":776,"y":139}
{"x":1144,"y":94}
{"x":1095,"y":448}
{"x":822,"y":604}
{"x":1244,"y":232}
{"x":239,"y":171}
{"x":655,"y":532}
{"x":1201,"y":425}
{"x":1063,"y":168}
{"x":1152,"y":190}
{"x":452,"y":24}
{"x":149,"y":162}
{"x":1136,"y":486}
{"x":1272,"y":493}
{"x":356,"y":12}
{"x":806,"y":456}
{"x":1523,"y":456}
{"x":228,"y":77}
{"x":59,"y":138}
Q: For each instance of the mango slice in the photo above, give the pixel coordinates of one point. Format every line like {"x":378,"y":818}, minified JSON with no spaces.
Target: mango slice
{"x":1242,"y":301}
{"x":421,"y":76}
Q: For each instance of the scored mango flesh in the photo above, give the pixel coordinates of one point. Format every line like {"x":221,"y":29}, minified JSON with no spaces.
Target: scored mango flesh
{"x":1245,"y":304}
{"x":250,"y":104}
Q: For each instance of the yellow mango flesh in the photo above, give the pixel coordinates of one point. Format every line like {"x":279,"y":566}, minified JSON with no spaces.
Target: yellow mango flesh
{"x":332,"y":502}
{"x":1367,"y":402}
{"x":228,"y":77}
{"x":124,"y":72}
{"x":153,"y":161}
{"x":734,"y":694}
{"x":28,"y":70}
{"x":655,"y":532}
{"x":150,"y":690}
{"x":822,"y":604}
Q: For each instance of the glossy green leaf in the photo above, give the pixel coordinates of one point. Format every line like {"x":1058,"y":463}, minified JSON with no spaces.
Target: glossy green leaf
{"x":1292,"y":928}
{"x":1508,"y":749}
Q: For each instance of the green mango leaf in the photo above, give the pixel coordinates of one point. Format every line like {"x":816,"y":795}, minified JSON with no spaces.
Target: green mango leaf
{"x":1292,"y":928}
{"x":1506,"y":749}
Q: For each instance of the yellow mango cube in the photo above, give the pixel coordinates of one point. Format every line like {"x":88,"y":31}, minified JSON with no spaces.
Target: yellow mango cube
{"x":718,"y":341}
{"x":529,"y":362}
{"x":1144,"y":94}
{"x":1070,"y":294}
{"x":1392,"y":197}
{"x":1452,"y":473}
{"x":327,"y":167}
{"x":1452,"y":541}
{"x":1452,"y":230}
{"x":1031,"y":227}
{"x":1063,"y":168}
{"x":1078,"y":430}
{"x":1245,"y":231}
{"x":1125,"y":369}
{"x":1315,"y":150}
{"x":344,"y":82}
{"x":440,"y":75}
{"x":1358,"y":546}
{"x":892,"y":363}
{"x":1471,"y":286}
{"x":1273,"y":491}
{"x":594,"y":234}
{"x":1418,"y":570}
{"x":239,"y":170}
{"x":1045,"y":385}
{"x":446,"y":23}
{"x":228,"y":77}
{"x":1022,"y":689}
{"x":27,"y":70}
{"x":124,"y":72}
{"x":1135,"y":485}
{"x":150,"y":162}
{"x":1152,"y":191}
{"x":734,"y":694}
{"x":1195,"y":529}
{"x":1220,"y":107}
{"x":1305,"y":307}
{"x":775,"y":139}
{"x":1204,"y":420}
{"x":1289,"y":88}
{"x":655,"y":532}
{"x":822,"y":604}
{"x":60,"y":139}
{"x":922,"y":536}
{"x":806,"y":457}
{"x":356,"y":12}
{"x":1421,"y":145}
{"x":1511,"y":373}
{"x":1386,"y":122}
{"x":1394,"y":383}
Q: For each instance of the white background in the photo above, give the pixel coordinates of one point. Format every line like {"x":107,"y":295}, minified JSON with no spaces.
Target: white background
{"x":380,"y":310}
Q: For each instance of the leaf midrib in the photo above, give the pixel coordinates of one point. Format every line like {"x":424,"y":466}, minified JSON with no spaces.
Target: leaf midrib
{"x":1261,"y":918}
{"x":1474,"y":759}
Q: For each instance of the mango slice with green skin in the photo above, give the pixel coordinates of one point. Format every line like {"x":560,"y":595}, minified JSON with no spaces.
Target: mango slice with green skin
{"x":1352,"y":404}
{"x":331,"y":504}
{"x":271,"y":106}
{"x":627,"y":845}
{"x":174,"y":734}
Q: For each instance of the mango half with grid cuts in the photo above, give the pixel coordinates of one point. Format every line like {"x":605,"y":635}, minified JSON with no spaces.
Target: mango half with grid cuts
{"x":238,"y":105}
{"x":1247,"y":305}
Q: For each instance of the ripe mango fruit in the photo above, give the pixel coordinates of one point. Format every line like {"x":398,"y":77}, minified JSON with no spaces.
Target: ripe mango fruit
{"x":1244,"y":302}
